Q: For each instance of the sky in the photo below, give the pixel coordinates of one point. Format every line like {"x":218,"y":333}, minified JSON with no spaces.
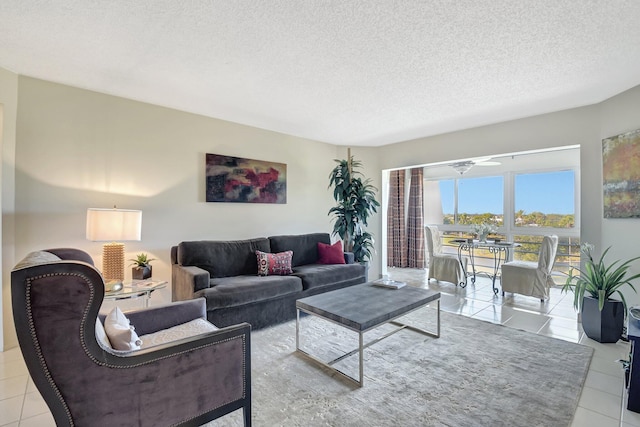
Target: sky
{"x":551,"y":192}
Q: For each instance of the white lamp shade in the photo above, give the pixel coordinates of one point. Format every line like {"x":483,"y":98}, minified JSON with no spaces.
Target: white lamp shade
{"x":111,"y":225}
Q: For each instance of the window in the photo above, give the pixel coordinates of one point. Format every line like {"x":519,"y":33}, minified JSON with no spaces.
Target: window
{"x":478,"y":200}
{"x":544,"y":199}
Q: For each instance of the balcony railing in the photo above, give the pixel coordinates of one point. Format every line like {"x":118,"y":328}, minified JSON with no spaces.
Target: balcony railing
{"x":567,"y":256}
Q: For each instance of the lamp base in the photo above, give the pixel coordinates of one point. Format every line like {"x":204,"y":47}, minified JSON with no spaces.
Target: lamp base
{"x":113,"y":261}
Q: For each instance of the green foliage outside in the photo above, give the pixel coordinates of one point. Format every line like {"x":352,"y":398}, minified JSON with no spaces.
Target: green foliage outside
{"x":533,"y":219}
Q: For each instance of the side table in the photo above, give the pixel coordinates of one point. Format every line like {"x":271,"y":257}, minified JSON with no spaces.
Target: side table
{"x":136,"y":289}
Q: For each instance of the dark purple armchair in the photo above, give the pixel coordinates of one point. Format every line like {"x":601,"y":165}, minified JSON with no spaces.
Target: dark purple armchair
{"x":187,"y":382}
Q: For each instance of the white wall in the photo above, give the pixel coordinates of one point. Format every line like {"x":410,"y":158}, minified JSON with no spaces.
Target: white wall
{"x":9,"y":104}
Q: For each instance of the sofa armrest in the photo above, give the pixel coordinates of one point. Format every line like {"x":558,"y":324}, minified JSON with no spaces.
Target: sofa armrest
{"x":154,"y":319}
{"x":186,"y":280}
{"x":349,"y":257}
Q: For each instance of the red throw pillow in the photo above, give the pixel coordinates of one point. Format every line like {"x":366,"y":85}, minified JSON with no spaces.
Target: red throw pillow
{"x":330,"y":254}
{"x":274,"y":264}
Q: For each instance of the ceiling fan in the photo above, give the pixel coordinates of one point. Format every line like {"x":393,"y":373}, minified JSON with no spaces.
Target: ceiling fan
{"x":464,"y":166}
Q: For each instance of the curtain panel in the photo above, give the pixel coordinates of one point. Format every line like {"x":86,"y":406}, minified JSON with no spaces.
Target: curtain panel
{"x":396,"y":235}
{"x":415,"y":221}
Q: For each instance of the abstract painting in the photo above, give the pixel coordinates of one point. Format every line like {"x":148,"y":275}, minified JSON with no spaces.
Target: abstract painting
{"x":238,"y":180}
{"x":621,"y":175}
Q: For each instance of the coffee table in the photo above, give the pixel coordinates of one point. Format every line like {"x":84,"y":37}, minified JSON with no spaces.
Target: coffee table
{"x":361,"y":308}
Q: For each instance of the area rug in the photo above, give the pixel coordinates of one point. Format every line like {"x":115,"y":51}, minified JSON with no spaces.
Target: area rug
{"x":476,"y":374}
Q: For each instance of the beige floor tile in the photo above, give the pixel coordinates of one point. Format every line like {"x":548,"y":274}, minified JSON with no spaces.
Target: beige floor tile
{"x":10,"y":410}
{"x":526,"y":321}
{"x":619,"y":350}
{"x":601,"y":402}
{"x":13,"y":368}
{"x":34,"y":405}
{"x":31,"y":387}
{"x":562,"y":333}
{"x":606,"y":365}
{"x":603,"y":382}
{"x":494,"y":314}
{"x":587,"y":418}
{"x":13,"y":386}
{"x":11,"y":354}
{"x":42,"y":420}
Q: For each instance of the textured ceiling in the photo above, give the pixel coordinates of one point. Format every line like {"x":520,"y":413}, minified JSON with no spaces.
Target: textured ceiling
{"x":365,"y":72}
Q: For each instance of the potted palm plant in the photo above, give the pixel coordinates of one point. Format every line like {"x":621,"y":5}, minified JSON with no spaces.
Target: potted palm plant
{"x":142,"y":267}
{"x":355,"y":197}
{"x":602,"y":316}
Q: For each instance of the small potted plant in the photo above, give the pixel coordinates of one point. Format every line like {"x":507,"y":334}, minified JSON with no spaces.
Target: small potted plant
{"x":602,"y":316}
{"x":142,"y":267}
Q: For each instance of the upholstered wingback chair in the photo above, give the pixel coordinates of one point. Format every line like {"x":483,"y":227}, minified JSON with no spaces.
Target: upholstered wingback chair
{"x":56,"y":296}
{"x":444,"y":267}
{"x":531,"y":278}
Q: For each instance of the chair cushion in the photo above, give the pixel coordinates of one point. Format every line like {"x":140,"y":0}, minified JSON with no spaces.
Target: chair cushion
{"x":240,"y":290}
{"x":120,"y":332}
{"x":274,"y":264}
{"x":330,"y":254}
{"x":521,"y":264}
{"x":319,"y":275}
{"x":37,"y":257}
{"x":185,"y":330}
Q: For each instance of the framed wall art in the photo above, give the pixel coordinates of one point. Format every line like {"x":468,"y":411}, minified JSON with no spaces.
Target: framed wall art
{"x":621,"y":175}
{"x":239,"y":180}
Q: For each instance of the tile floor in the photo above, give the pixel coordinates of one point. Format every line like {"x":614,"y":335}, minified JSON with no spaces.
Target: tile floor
{"x":601,"y":404}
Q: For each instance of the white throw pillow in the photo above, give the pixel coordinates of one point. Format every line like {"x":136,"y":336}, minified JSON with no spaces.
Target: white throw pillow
{"x":120,"y":332}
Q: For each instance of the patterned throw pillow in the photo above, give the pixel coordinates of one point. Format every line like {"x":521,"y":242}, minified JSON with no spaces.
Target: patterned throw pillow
{"x":330,"y":254}
{"x":274,"y":264}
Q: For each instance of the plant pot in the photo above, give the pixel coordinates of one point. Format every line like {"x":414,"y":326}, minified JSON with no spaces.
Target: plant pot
{"x":141,"y":273}
{"x":603,"y":326}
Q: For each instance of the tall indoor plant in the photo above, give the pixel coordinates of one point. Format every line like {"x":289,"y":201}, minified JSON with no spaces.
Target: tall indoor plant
{"x":602,"y":316}
{"x":355,"y":198}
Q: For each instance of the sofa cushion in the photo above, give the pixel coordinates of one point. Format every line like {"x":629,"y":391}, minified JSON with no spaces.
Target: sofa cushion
{"x":274,"y":264}
{"x":304,"y":246}
{"x":319,"y":275}
{"x":240,"y":290}
{"x":330,"y":254}
{"x":223,"y":258}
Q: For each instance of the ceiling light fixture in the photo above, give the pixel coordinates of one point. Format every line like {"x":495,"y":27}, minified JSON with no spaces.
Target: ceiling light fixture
{"x":462,"y":167}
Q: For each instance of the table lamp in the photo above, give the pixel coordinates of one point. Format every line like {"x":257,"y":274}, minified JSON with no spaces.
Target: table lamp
{"x":113,"y":226}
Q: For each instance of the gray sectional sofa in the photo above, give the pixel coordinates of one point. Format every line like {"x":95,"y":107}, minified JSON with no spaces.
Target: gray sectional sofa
{"x":225,"y":273}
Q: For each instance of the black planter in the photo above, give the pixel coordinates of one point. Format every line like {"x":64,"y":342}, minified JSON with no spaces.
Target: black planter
{"x":141,"y":273}
{"x":602,"y":326}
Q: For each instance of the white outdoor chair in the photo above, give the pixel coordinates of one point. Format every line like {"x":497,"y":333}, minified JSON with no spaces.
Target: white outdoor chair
{"x":444,"y":267}
{"x":531,"y":278}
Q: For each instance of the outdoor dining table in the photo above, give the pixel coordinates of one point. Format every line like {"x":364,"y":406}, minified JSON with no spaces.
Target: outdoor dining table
{"x":502,"y":252}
